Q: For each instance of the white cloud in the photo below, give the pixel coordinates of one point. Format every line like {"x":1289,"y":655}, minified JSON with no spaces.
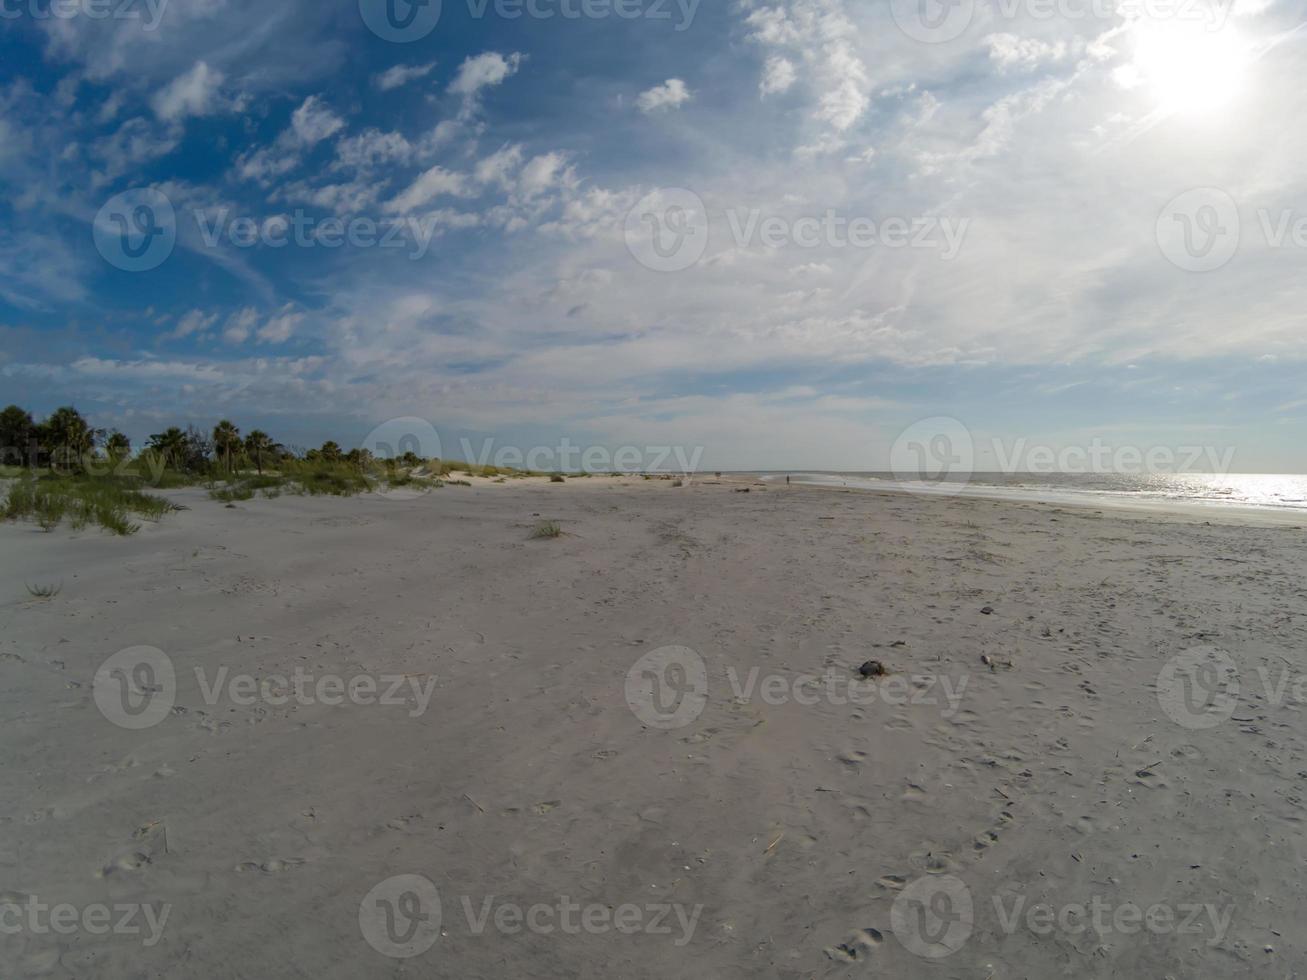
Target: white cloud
{"x":822,"y":35}
{"x":427,"y":188}
{"x":672,"y":94}
{"x":401,"y":75}
{"x":373,"y":148}
{"x":280,"y":328}
{"x":540,"y":174}
{"x":484,"y":71}
{"x":135,"y":142}
{"x":194,"y":322}
{"x":240,"y":325}
{"x":264,"y":165}
{"x":314,"y":122}
{"x":500,"y":167}
{"x":196,"y":93}
{"x":778,"y":76}
{"x":1026,"y":53}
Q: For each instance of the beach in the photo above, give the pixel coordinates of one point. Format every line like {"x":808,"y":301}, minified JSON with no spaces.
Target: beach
{"x":645,"y":747}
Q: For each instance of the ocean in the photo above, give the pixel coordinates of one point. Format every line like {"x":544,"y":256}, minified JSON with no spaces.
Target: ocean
{"x":1273,"y":491}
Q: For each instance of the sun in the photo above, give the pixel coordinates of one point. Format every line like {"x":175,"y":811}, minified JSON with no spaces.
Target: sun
{"x":1191,"y":68}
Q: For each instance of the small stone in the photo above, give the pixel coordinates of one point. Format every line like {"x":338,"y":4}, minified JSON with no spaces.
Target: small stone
{"x":873,"y":668}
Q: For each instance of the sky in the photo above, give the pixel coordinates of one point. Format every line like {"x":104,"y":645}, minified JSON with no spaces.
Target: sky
{"x":773,"y":234}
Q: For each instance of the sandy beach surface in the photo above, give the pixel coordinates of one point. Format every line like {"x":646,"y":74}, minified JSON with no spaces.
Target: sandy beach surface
{"x":402,"y":737}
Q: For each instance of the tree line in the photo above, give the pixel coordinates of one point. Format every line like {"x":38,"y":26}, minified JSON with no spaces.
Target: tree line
{"x":66,"y":441}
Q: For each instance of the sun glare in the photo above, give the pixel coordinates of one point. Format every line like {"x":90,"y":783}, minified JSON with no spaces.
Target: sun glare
{"x":1191,"y":69}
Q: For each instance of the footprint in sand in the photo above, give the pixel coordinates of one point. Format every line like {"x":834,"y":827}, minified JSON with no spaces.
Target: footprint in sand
{"x":540,"y":809}
{"x":271,"y":867}
{"x":126,"y":862}
{"x":860,"y":944}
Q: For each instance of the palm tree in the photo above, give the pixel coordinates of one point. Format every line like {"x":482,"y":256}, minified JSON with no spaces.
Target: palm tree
{"x":226,"y":438}
{"x":66,"y":433}
{"x":171,"y":445}
{"x":17,"y":434}
{"x":117,"y":445}
{"x":257,"y":443}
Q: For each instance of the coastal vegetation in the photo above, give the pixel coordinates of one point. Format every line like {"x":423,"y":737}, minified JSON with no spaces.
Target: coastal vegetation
{"x":64,"y":469}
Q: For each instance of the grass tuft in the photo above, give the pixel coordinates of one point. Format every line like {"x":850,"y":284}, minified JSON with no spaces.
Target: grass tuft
{"x":547,"y":529}
{"x":45,"y":591}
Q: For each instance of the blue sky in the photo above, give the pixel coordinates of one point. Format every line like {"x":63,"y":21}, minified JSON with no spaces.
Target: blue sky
{"x":1100,"y":208}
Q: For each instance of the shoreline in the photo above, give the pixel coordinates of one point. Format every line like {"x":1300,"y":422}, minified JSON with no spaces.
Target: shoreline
{"x":1195,"y":511}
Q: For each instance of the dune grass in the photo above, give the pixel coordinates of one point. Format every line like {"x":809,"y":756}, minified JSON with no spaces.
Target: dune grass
{"x":547,"y":530}
{"x":107,"y":502}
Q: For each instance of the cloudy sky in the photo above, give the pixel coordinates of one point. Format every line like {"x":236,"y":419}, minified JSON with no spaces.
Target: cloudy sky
{"x":780,"y":230}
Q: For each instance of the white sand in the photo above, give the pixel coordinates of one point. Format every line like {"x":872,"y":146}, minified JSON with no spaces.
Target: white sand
{"x":528,"y":777}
